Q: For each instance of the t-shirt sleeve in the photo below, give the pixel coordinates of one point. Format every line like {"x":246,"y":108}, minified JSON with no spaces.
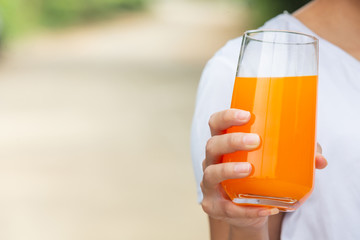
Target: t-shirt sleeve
{"x":214,"y":94}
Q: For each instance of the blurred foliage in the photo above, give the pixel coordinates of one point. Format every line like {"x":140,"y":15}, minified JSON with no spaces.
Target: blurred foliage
{"x":19,"y":16}
{"x":263,"y":10}
{"x":60,"y":12}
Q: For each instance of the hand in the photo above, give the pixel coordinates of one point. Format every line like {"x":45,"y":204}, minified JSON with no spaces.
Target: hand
{"x":215,"y":202}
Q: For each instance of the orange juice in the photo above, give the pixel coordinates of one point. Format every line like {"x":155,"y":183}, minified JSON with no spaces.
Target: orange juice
{"x":283,"y":114}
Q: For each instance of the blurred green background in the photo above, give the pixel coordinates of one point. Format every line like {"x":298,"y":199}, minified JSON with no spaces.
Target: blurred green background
{"x":21,"y":16}
{"x":263,"y":10}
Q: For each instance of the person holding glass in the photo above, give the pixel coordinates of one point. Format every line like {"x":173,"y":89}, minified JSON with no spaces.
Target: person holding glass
{"x":331,"y":212}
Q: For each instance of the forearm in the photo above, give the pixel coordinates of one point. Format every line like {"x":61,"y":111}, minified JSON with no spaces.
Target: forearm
{"x":264,"y":229}
{"x":249,"y":234}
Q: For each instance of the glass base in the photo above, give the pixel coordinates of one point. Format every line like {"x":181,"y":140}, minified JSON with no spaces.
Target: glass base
{"x":283,"y":204}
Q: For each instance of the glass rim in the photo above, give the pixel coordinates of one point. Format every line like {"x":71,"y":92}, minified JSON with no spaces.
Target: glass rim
{"x":312,"y":39}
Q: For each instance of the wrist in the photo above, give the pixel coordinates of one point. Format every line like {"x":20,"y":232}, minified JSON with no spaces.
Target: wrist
{"x":249,"y":233}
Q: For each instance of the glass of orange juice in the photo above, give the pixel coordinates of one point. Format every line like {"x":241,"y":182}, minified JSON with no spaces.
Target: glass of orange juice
{"x":276,"y":81}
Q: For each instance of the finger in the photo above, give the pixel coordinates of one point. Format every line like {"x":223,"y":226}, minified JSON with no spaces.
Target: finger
{"x":215,"y":174}
{"x":229,"y":143}
{"x":318,"y":148}
{"x":231,"y":210}
{"x":221,"y":121}
{"x":320,"y":161}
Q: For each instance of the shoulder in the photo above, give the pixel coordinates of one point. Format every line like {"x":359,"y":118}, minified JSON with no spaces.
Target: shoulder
{"x":229,"y":53}
{"x":221,"y":68}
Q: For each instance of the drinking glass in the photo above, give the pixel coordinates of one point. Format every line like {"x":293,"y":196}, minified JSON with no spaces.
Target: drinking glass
{"x":276,"y":81}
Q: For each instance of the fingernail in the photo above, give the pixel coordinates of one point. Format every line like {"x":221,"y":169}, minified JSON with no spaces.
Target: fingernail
{"x":321,"y":157}
{"x":268,"y":212}
{"x":320,"y":162}
{"x":243,"y":167}
{"x":274,"y":211}
{"x":251,"y":139}
{"x":242,"y":115}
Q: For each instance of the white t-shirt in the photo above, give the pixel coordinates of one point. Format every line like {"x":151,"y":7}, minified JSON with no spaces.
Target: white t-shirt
{"x":333,"y":209}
